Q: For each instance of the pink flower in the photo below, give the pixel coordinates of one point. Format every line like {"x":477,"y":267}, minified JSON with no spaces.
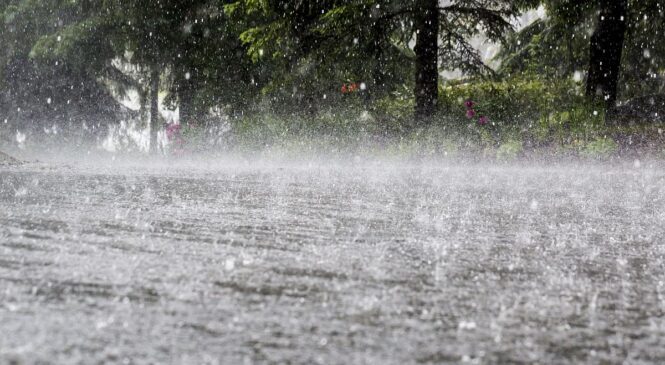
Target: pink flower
{"x":469,"y":104}
{"x":172,"y":131}
{"x":470,"y":113}
{"x":483,"y":120}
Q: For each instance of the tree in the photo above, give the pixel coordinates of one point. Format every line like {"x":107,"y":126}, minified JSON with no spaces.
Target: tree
{"x":555,"y":46}
{"x":192,"y":47}
{"x":605,"y":51}
{"x":623,"y":58}
{"x":47,"y":91}
{"x":154,"y":107}
{"x":286,"y":41}
{"x":293,"y":32}
{"x":211,"y":67}
{"x":368,"y":41}
{"x":643,"y":59}
{"x":426,"y":89}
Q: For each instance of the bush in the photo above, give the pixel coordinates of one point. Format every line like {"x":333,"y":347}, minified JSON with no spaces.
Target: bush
{"x":513,"y":102}
{"x":524,"y":114}
{"x":509,"y":150}
{"x":600,"y":148}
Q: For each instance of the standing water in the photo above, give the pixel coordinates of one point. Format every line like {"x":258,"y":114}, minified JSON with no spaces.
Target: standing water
{"x":330,"y":263}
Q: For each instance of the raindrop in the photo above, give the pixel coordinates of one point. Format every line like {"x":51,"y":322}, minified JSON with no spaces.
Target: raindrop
{"x":534,"y":204}
{"x":20,"y":137}
{"x":229,"y":264}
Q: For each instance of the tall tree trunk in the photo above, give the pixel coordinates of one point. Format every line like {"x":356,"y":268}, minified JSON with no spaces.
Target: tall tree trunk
{"x":605,"y":52}
{"x":86,"y":6}
{"x":377,"y":85}
{"x":186,"y":98}
{"x":427,"y":73}
{"x":154,"y":108}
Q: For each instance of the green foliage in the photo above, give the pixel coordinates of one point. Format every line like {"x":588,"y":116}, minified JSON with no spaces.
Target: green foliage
{"x":600,"y":148}
{"x":643,"y":68}
{"x":313,"y":47}
{"x":558,"y":45}
{"x":509,"y":150}
{"x":193,"y":44}
{"x":394,"y":110}
{"x":35,"y":85}
{"x":547,"y":48}
{"x":276,"y":67}
{"x":517,"y":101}
{"x":575,"y":132}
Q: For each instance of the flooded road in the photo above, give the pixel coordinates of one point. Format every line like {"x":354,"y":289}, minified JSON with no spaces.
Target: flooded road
{"x":376,"y":263}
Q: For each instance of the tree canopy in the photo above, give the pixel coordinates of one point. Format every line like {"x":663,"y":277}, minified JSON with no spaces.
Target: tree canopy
{"x":77,"y":57}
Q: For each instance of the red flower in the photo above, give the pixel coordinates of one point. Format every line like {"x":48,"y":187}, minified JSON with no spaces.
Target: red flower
{"x":483,"y":120}
{"x":349,"y":88}
{"x":469,"y":104}
{"x":470,"y":113}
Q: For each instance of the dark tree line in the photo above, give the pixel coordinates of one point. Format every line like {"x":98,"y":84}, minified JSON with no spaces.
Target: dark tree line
{"x":242,"y":53}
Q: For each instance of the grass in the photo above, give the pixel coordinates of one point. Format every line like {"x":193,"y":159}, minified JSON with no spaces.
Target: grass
{"x":357,"y":131}
{"x":387,"y":129}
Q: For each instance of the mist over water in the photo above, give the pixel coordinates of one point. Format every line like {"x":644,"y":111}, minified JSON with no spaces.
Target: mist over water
{"x":331,"y":260}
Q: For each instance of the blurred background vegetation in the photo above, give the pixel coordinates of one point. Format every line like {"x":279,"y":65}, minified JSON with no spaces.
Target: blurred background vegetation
{"x":583,"y":76}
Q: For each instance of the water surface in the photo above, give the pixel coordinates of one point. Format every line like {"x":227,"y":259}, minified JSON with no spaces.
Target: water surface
{"x":332,"y":263}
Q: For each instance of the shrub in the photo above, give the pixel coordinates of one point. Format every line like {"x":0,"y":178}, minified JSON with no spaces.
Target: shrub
{"x":512,"y":102}
{"x":509,"y":150}
{"x":600,"y":148}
